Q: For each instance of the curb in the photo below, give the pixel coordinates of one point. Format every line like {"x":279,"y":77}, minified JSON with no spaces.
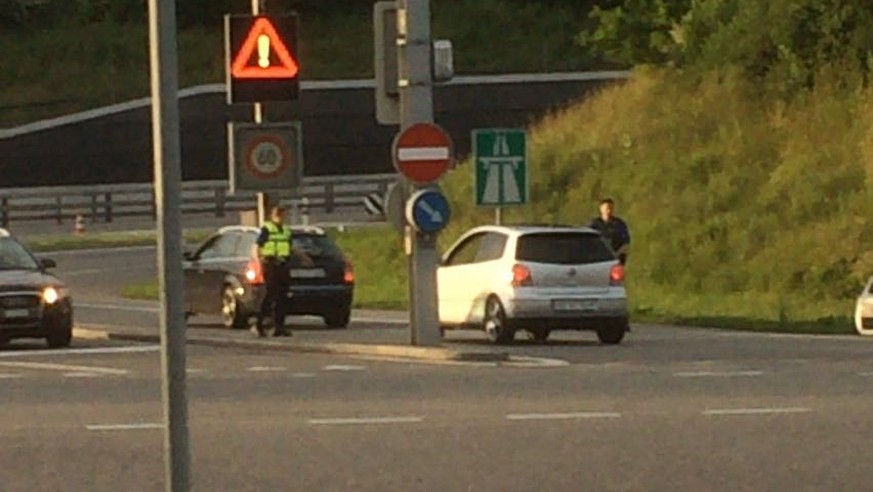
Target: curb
{"x":369,"y":349}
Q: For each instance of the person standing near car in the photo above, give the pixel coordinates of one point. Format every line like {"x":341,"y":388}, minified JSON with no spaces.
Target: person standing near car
{"x":613,"y":229}
{"x":274,"y":251}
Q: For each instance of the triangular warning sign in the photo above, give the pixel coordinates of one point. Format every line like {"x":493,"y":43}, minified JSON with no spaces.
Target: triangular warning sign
{"x":261,"y":41}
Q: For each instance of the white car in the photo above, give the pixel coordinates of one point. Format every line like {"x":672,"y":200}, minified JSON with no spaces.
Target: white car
{"x":864,"y":310}
{"x":506,"y":278}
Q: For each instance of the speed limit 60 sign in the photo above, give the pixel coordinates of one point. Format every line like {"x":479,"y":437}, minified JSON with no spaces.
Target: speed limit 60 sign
{"x":265,"y":156}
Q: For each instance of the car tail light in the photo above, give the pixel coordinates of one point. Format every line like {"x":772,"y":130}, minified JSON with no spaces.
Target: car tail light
{"x":616,"y":275}
{"x":348,"y":273}
{"x":521,"y":276}
{"x":254,"y":273}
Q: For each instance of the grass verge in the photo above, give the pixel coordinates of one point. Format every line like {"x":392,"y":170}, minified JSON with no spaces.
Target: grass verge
{"x":99,"y":240}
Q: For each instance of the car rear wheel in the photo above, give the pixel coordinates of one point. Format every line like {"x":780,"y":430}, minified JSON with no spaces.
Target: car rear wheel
{"x":233,"y":315}
{"x":338,"y":319}
{"x":60,"y":336}
{"x":495,"y":323}
{"x":538,"y":335}
{"x":612,"y":333}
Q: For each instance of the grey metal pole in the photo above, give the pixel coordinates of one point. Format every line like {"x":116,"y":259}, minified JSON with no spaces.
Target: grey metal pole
{"x":263,"y":199}
{"x":416,"y":106}
{"x":168,"y":187}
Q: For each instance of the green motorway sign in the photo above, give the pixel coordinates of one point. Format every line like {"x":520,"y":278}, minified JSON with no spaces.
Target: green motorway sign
{"x":501,"y":169}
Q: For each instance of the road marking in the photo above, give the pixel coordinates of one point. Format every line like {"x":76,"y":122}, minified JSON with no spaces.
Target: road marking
{"x":522,"y":361}
{"x":727,"y":374}
{"x":266,"y":369}
{"x":303,"y":375}
{"x":866,"y":374}
{"x":118,"y":307}
{"x":340,"y":367}
{"x":64,"y":367}
{"x":103,"y":350}
{"x":11,"y":376}
{"x":755,"y":411}
{"x":191,"y":370}
{"x":82,"y":375}
{"x":366,"y":420}
{"x":118,"y":427}
{"x":563,"y":416}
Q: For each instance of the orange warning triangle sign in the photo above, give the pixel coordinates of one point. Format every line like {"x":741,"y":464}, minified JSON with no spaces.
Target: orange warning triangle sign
{"x":263,"y":39}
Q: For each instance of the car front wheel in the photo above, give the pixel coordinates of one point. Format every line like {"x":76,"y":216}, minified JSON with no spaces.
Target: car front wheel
{"x":60,"y":336}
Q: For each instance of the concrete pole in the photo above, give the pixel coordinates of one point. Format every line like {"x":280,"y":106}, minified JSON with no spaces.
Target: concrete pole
{"x":168,"y":187}
{"x":416,"y":106}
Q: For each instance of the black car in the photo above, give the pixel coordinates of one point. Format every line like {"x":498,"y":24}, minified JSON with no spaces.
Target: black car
{"x":221,"y":277}
{"x":33,"y":302}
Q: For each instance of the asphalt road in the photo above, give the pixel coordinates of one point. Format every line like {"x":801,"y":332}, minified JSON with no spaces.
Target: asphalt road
{"x":91,"y":421}
{"x":670,"y":409}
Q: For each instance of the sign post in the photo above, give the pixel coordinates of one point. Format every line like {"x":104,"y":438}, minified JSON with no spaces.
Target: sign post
{"x":168,"y":187}
{"x":416,"y":106}
{"x":261,"y":65}
{"x":501,"y":168}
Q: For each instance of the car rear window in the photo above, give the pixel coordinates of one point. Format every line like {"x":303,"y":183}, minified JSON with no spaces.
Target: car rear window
{"x":315,"y":245}
{"x":563,"y":248}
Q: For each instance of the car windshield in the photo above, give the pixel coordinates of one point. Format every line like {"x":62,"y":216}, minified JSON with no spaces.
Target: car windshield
{"x":564,"y":248}
{"x":13,"y":256}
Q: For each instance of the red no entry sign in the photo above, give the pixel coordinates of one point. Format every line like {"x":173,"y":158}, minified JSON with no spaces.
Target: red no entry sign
{"x":423,"y":152}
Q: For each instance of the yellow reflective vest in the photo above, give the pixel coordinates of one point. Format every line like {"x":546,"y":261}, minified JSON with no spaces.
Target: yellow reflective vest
{"x":278,"y":243}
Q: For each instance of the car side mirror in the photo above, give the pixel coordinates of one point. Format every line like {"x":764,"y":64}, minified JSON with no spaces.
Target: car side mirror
{"x":47,"y":263}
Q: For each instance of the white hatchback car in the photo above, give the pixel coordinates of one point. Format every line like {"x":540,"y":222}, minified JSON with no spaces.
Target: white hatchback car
{"x":506,"y":278}
{"x":864,"y":310}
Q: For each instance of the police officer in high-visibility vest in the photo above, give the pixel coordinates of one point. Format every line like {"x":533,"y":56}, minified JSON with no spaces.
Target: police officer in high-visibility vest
{"x":274,"y":251}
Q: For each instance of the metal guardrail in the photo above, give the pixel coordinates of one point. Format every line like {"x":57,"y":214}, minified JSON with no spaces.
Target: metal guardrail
{"x":104,"y":203}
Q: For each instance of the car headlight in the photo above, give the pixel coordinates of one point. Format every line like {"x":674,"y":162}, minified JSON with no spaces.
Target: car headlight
{"x":50,"y":295}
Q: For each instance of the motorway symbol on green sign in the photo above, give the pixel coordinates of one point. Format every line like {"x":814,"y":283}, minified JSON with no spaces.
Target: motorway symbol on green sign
{"x":501,"y":169}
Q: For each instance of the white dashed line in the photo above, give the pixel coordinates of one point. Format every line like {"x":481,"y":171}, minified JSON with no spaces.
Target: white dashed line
{"x":338,"y":367}
{"x":367,"y":420}
{"x":866,"y":374}
{"x":119,"y":307}
{"x":83,"y":375}
{"x":731,"y":374}
{"x":64,"y":367}
{"x":303,"y":375}
{"x":754,"y":411}
{"x":83,"y":351}
{"x":11,"y":376}
{"x":563,"y":416}
{"x":121,"y":427}
{"x":266,"y":369}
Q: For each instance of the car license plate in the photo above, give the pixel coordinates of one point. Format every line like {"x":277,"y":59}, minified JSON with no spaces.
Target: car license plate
{"x":307,"y":273}
{"x":574,"y":305}
{"x":16,"y":313}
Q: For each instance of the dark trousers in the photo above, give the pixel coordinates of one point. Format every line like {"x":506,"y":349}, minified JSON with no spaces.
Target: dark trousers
{"x":276,"y":282}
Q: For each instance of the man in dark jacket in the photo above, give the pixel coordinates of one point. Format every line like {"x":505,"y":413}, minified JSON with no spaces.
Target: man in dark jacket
{"x":613,"y":229}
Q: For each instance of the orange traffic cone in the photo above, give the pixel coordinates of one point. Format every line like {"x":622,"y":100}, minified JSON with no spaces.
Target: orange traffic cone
{"x":79,"y":227}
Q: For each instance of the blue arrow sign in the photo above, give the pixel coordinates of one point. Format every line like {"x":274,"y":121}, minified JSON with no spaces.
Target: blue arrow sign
{"x":428,"y":211}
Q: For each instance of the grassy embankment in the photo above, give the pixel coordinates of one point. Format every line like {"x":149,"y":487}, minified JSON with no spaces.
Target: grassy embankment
{"x":745,"y":213}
